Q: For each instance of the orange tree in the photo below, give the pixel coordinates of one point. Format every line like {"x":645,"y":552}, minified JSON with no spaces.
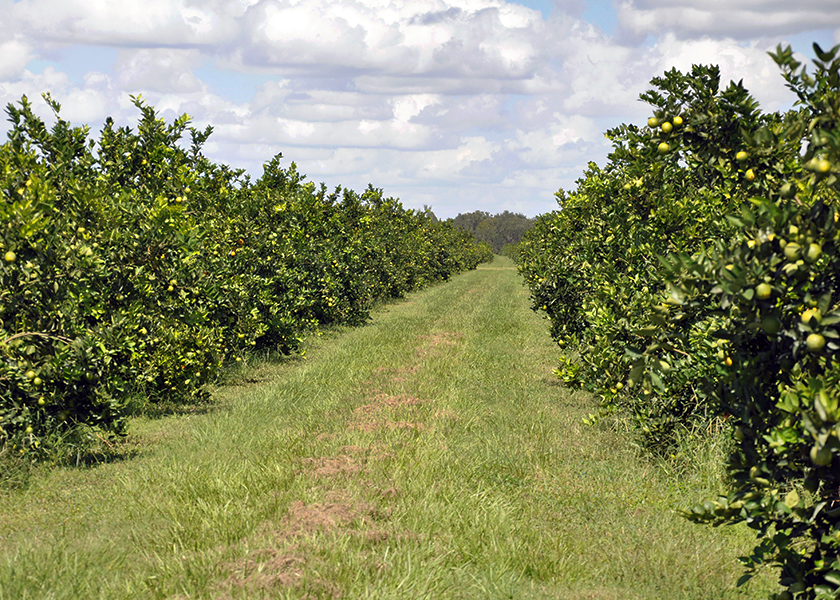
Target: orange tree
{"x":133,"y":266}
{"x":696,"y":276}
{"x":770,"y":298}
{"x":593,"y":266}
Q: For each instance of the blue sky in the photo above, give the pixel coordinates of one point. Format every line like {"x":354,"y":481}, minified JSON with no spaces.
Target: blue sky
{"x":458,"y":104}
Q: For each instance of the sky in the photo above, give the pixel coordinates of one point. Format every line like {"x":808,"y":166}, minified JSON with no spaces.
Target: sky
{"x":460,"y":105}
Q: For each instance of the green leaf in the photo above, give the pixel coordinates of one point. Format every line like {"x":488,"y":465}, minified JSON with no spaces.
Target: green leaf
{"x":646,"y":331}
{"x":636,"y":372}
{"x":823,"y":55}
{"x":633,"y":352}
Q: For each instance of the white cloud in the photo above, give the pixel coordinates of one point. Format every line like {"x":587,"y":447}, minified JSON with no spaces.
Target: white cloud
{"x":740,"y":20}
{"x":15,"y":54}
{"x":469,"y":40}
{"x":160,"y":69}
{"x":566,"y":138}
{"x":149,"y":23}
{"x":461,"y":104}
{"x":737,"y":61}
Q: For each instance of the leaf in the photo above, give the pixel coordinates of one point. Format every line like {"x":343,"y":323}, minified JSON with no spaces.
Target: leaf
{"x":746,"y":214}
{"x":656,"y":380}
{"x":633,"y":352}
{"x":646,"y":331}
{"x":792,"y":499}
{"x":659,"y":320}
{"x":636,"y":372}
{"x":823,"y":55}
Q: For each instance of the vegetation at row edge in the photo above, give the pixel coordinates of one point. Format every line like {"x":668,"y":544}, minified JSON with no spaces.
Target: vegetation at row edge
{"x":132,"y":266}
{"x":694,"y":279}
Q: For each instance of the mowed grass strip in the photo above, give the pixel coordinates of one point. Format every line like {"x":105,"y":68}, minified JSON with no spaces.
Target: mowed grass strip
{"x":428,"y":454}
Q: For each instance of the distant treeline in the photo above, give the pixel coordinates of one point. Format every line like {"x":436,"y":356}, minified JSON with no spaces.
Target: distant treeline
{"x":497,"y":230}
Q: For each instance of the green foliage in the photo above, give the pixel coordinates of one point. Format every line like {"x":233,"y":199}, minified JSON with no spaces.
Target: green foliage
{"x":495,"y":230}
{"x":696,"y":277}
{"x":133,"y":266}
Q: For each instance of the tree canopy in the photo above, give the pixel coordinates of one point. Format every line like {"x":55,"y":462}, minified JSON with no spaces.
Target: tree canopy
{"x":497,"y":230}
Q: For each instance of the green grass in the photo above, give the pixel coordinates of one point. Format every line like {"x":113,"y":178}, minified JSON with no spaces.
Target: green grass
{"x":428,"y":454}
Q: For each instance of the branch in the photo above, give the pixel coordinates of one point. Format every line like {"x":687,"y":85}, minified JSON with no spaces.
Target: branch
{"x":36,"y":334}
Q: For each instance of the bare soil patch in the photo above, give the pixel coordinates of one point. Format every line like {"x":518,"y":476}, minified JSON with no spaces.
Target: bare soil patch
{"x":374,"y":416}
{"x":291,"y":559}
{"x":332,"y":466}
{"x":436,"y":341}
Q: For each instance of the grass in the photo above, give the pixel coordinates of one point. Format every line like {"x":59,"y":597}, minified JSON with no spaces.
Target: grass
{"x":428,"y":454}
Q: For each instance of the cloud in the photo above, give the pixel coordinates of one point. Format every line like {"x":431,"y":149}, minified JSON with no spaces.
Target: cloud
{"x":462,"y":104}
{"x":15,"y":54}
{"x":159,"y":69}
{"x":167,"y":23}
{"x":722,"y":19}
{"x":737,"y":61}
{"x":479,"y":39}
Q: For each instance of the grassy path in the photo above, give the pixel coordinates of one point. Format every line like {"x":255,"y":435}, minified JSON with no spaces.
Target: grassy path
{"x":429,"y":454}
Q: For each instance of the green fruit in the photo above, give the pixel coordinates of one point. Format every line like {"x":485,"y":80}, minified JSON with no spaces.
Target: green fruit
{"x":823,"y":166}
{"x":821,"y":456}
{"x":619,"y":386}
{"x":677,"y":121}
{"x":792,"y":251}
{"x":784,"y":596}
{"x":37,"y":382}
{"x":666,"y":127}
{"x":750,"y":175}
{"x":771,"y":325}
{"x":763,"y":290}
{"x":30,"y":375}
{"x":653,"y":122}
{"x":815,"y":342}
{"x":10,"y":257}
{"x":787,"y":191}
{"x":741,"y":156}
{"x":811,"y":313}
{"x":663,"y":148}
{"x":813,"y":253}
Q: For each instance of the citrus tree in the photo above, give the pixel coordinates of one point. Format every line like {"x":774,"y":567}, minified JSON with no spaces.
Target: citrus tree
{"x":133,"y":267}
{"x":695,"y":277}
